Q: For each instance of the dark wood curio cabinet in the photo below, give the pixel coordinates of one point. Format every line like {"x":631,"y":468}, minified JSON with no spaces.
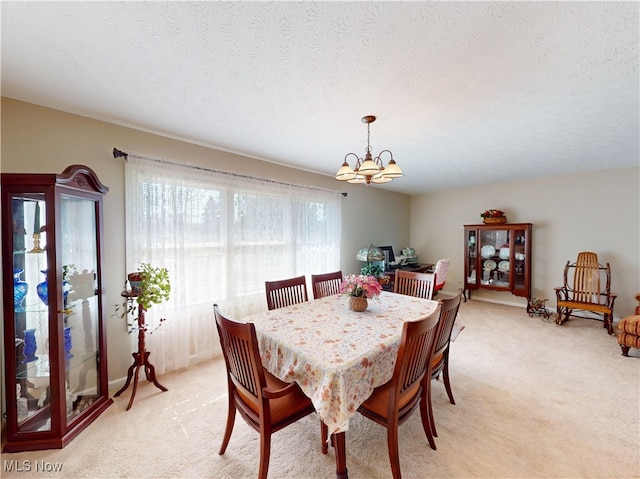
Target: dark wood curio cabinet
{"x":498,"y":257}
{"x":54,"y":334}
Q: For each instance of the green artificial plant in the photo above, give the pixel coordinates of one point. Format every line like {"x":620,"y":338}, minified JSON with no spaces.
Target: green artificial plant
{"x":154,"y":287}
{"x":372,"y":269}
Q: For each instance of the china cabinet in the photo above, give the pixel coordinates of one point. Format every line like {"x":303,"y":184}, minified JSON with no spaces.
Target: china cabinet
{"x":55,"y":355}
{"x":498,"y":257}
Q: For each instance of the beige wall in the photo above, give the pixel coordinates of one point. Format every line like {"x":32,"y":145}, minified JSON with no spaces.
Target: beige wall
{"x":597,"y":211}
{"x":594,"y":211}
{"x":41,"y":140}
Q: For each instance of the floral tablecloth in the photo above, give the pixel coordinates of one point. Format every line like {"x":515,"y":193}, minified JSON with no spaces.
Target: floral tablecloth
{"x":336,"y":355}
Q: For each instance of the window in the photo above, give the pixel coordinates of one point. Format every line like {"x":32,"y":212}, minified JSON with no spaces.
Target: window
{"x":221,"y":236}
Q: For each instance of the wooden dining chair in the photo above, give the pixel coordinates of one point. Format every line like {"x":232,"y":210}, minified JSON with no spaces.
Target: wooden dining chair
{"x":392,"y":404}
{"x":326,"y":284}
{"x":414,"y":284}
{"x":440,"y":357}
{"x":286,"y":292}
{"x":266,"y":403}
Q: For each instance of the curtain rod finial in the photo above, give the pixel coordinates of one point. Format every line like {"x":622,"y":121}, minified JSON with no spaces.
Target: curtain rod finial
{"x":117,"y":153}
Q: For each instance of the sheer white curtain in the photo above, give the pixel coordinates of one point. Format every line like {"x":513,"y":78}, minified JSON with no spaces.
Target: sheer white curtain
{"x":221,"y":236}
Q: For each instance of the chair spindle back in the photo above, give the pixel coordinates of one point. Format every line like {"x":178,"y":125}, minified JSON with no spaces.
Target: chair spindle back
{"x":286,"y":292}
{"x":419,"y":285}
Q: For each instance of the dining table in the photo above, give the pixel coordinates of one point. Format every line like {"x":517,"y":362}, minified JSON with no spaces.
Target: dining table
{"x":336,"y":355}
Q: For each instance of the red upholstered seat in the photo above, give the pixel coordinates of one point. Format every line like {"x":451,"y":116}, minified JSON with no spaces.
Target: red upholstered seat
{"x":441,"y":270}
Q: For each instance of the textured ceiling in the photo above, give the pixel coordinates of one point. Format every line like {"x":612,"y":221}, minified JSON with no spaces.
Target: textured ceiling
{"x":465,"y":93}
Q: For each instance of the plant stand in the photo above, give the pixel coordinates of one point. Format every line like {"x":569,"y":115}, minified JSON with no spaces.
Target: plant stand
{"x":140,"y":358}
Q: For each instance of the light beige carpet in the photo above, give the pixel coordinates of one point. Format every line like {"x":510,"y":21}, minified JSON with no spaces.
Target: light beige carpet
{"x":534,"y":400}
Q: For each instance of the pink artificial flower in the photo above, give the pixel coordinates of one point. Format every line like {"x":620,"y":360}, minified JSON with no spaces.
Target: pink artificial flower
{"x":361,"y":286}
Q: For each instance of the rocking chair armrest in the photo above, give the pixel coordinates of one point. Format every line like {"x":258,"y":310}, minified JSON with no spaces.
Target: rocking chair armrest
{"x":271,"y":393}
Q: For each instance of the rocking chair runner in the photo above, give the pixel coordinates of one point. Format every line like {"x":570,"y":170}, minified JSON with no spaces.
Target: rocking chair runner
{"x":587,"y":287}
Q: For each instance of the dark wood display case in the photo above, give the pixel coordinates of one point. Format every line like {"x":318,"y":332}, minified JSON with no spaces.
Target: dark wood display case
{"x":498,"y":257}
{"x":54,"y":335}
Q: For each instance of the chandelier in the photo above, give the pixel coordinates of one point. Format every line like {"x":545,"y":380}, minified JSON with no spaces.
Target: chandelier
{"x":369,"y":170}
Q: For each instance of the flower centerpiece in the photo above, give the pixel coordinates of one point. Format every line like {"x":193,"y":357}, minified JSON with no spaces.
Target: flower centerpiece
{"x":494,"y":216}
{"x":359,"y":288}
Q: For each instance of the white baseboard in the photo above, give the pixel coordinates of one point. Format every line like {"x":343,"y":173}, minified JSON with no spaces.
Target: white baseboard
{"x":499,"y":301}
{"x":116,"y":384}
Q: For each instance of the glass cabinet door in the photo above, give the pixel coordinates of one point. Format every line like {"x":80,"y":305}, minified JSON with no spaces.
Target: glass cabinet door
{"x":471,"y":256}
{"x":34,"y":294}
{"x":519,"y":261}
{"x":494,"y":252}
{"x":31,"y":313}
{"x":79,"y":259}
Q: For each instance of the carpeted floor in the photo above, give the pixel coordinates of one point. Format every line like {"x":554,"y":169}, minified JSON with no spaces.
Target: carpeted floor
{"x":534,"y":400}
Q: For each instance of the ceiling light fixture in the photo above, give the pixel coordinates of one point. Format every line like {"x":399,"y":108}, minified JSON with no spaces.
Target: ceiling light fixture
{"x":369,"y":170}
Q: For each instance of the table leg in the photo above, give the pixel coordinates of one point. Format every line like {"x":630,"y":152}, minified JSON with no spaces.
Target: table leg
{"x":324,"y":435}
{"x":341,"y":456}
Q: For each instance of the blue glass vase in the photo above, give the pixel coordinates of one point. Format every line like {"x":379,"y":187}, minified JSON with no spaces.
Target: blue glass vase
{"x":66,"y":287}
{"x":20,"y":290}
{"x":30,"y":345}
{"x":67,"y":342}
{"x":43,"y":289}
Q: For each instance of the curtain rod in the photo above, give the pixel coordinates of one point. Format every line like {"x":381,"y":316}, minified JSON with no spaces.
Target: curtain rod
{"x":121,"y":154}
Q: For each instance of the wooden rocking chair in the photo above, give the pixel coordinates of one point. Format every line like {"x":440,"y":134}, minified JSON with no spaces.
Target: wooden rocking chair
{"x":587,"y":287}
